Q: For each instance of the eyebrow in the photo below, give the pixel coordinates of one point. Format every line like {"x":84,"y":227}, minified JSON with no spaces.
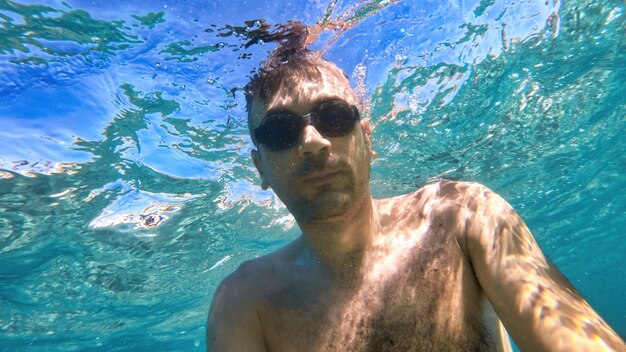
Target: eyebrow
{"x":315,"y":104}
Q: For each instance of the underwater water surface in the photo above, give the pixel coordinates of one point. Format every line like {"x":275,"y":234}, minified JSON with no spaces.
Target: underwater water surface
{"x":126,"y":186}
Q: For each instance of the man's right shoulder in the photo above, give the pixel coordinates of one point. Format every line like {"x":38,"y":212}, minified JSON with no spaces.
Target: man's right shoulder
{"x":255,"y":278}
{"x":249,"y":279}
{"x":234,"y":323}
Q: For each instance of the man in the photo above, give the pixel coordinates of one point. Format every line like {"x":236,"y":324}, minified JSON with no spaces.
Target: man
{"x":435,"y":270}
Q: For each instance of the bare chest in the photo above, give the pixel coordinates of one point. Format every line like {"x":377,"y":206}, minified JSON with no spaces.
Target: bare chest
{"x":413,"y":297}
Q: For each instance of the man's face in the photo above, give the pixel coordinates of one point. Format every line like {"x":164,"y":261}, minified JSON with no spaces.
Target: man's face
{"x":320,"y":177}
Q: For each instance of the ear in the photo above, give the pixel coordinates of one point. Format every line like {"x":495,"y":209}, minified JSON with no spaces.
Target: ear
{"x":256,"y":158}
{"x":368,"y":129}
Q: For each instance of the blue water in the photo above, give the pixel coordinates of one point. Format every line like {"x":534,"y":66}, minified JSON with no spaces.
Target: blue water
{"x":126,"y":188}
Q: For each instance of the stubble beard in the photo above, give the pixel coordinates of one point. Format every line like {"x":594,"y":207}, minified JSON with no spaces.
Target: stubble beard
{"x":331,"y":204}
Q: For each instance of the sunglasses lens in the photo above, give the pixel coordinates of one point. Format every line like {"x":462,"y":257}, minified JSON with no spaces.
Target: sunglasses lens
{"x":335,"y":118}
{"x":279,"y":131}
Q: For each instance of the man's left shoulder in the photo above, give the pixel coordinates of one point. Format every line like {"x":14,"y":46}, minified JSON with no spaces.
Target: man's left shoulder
{"x":446,"y":196}
{"x":441,"y":200}
{"x":447,"y":201}
{"x":467,"y":208}
{"x":447,"y":189}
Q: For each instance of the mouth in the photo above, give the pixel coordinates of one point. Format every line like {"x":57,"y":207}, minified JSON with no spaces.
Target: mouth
{"x":321,"y":178}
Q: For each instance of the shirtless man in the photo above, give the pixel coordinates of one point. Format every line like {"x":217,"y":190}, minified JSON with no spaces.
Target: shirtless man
{"x":434,"y":270}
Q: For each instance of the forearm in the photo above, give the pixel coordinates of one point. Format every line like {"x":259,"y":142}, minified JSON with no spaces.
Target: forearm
{"x":539,"y":307}
{"x":546,"y":316}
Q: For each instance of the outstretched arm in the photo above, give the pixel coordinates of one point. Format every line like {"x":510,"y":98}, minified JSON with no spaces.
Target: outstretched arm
{"x":541,"y":310}
{"x":233,"y":325}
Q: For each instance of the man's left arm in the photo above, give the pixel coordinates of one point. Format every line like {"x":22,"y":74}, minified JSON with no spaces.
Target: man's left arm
{"x":539,"y":307}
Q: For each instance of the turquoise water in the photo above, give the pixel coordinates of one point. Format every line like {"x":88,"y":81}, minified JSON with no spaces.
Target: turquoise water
{"x":126,"y":189}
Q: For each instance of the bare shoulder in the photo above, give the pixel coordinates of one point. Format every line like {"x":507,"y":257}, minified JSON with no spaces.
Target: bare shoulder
{"x":439,"y":196}
{"x":451,"y":205}
{"x":536,"y":303}
{"x":233,"y":322}
{"x":242,"y":284}
{"x":456,"y":193}
{"x":253,"y":278}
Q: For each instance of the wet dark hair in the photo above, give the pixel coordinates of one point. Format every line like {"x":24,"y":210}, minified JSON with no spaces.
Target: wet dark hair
{"x":291,"y":39}
{"x":284,"y":67}
{"x":290,"y":63}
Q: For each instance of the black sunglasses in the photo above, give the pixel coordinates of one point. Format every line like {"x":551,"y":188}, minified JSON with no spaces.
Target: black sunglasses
{"x":281,"y":129}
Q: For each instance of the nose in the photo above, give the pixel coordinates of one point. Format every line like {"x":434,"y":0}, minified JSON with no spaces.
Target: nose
{"x":312,"y":142}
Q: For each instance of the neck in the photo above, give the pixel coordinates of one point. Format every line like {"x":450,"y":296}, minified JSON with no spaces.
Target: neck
{"x":340,"y":243}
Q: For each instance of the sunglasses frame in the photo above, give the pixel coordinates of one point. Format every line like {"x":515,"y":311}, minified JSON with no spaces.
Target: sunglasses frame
{"x":297,"y":123}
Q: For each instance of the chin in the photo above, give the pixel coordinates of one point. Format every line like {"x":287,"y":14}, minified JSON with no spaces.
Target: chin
{"x":328,"y":207}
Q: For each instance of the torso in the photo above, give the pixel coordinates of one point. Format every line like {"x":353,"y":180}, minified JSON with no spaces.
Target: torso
{"x":419,"y":292}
